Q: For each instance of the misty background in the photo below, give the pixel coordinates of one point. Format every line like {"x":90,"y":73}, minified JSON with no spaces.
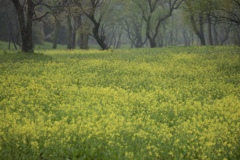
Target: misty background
{"x":123,"y":23}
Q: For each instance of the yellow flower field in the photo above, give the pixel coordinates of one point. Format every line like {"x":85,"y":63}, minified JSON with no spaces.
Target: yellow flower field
{"x":171,"y":103}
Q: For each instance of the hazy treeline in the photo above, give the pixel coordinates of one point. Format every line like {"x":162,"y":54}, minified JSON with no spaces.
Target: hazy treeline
{"x":118,"y":23}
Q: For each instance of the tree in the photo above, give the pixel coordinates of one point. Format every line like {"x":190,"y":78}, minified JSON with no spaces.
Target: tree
{"x":83,"y":31}
{"x":134,"y":25}
{"x":113,"y":23}
{"x":95,"y":11}
{"x":25,"y":23}
{"x":229,"y":11}
{"x":57,"y":18}
{"x":195,"y":13}
{"x":26,"y":12}
{"x":8,"y":23}
{"x":217,"y":16}
{"x":26,"y":15}
{"x":197,"y":23}
{"x":154,"y":13}
{"x":55,"y":33}
{"x":69,"y":4}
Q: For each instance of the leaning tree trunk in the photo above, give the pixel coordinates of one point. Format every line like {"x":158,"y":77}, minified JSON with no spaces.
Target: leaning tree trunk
{"x":199,"y":32}
{"x":25,"y":24}
{"x":100,"y":39}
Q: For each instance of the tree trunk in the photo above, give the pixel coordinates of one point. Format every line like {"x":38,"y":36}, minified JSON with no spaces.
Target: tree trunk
{"x":139,"y":40}
{"x":152,"y":42}
{"x":55,"y":34}
{"x":202,"y":39}
{"x":70,"y":33}
{"x":25,"y":24}
{"x":151,"y":39}
{"x":74,"y":38}
{"x":186,"y":38}
{"x":210,"y":29}
{"x":199,"y":32}
{"x":9,"y":25}
{"x":118,"y":43}
{"x":76,"y":25}
{"x":201,"y":25}
{"x":171,"y":38}
{"x":176,"y":37}
{"x":84,"y":40}
{"x":215,"y":34}
{"x":100,"y":40}
{"x":83,"y":35}
{"x":11,"y":37}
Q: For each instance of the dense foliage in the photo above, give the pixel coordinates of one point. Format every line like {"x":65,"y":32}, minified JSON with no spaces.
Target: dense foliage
{"x":124,"y":104}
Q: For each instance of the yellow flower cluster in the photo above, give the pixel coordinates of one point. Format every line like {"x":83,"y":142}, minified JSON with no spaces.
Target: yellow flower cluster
{"x":125,"y":104}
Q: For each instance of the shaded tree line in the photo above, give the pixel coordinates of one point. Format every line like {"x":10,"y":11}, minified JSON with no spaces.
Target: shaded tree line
{"x":115,"y":23}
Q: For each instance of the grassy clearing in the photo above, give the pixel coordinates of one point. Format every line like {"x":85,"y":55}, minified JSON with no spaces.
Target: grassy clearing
{"x":171,"y":103}
{"x":46,"y":45}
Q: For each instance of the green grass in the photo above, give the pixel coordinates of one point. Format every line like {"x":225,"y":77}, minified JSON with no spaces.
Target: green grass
{"x":163,"y":103}
{"x":4,"y":45}
{"x":45,"y":45}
